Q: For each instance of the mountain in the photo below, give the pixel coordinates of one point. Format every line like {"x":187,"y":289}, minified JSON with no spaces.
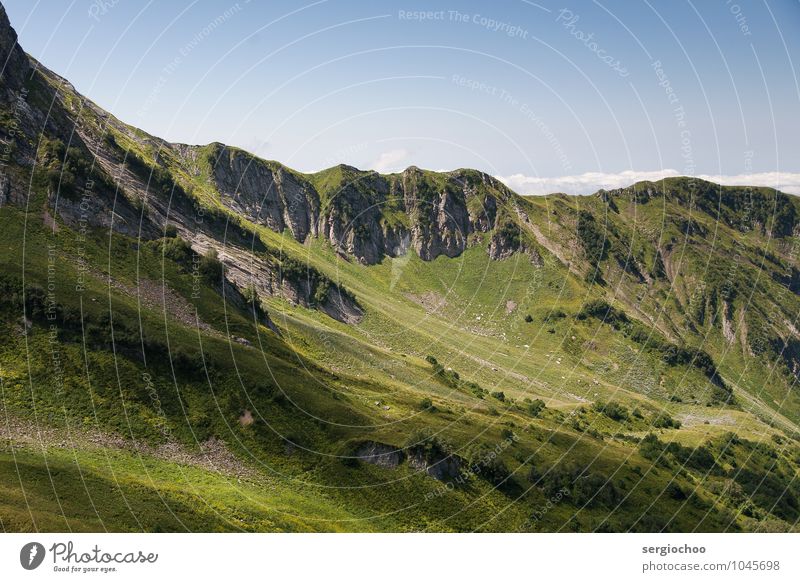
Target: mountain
{"x":194,"y":338}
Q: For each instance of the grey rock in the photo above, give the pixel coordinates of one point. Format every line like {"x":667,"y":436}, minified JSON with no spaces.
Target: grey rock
{"x":379,"y":454}
{"x":440,"y":467}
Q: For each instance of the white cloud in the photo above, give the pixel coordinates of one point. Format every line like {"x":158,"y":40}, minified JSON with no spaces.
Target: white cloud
{"x":590,"y":182}
{"x":389,"y":161}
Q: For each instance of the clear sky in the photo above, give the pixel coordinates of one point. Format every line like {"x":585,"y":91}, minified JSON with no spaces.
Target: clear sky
{"x":551,"y":96}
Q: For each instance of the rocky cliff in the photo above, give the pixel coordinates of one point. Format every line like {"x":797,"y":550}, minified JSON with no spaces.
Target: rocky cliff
{"x":365,"y":215}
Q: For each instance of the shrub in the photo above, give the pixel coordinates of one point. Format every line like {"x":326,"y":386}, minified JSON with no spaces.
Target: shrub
{"x":535,"y":408}
{"x":484,"y":462}
{"x":612,"y":410}
{"x":250,"y":294}
{"x":583,"y":487}
{"x":555,"y":314}
{"x":699,"y":458}
{"x":499,"y":396}
{"x":592,"y":237}
{"x":427,"y":404}
{"x":651,"y":448}
{"x":431,"y":446}
{"x":322,"y":292}
{"x":177,"y":250}
{"x":528,"y":318}
{"x":664,"y":420}
{"x":676,"y":492}
{"x":211,"y":267}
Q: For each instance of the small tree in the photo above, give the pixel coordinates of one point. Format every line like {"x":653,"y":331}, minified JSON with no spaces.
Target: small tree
{"x":250,"y":294}
{"x":211,"y":267}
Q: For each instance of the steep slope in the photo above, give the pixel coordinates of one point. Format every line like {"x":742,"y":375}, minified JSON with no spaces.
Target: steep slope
{"x":348,"y":350}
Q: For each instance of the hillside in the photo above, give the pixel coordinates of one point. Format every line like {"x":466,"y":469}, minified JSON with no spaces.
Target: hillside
{"x":194,"y":338}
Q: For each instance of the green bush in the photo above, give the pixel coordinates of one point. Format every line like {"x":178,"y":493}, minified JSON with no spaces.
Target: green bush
{"x":612,"y":410}
{"x":535,"y":408}
{"x":592,"y":237}
{"x":484,"y":462}
{"x":427,"y":404}
{"x":210,"y":267}
{"x":583,"y":487}
{"x":429,"y":445}
{"x":664,"y":420}
{"x":177,"y":250}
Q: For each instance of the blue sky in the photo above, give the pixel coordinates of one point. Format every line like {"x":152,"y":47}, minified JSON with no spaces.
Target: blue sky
{"x":563,"y":96}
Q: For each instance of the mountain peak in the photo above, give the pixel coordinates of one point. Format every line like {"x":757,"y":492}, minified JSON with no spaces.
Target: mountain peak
{"x":13,"y":61}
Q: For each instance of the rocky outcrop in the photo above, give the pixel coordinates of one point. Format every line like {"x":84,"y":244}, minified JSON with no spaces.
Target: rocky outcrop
{"x":440,"y":466}
{"x":437,"y":464}
{"x":353,"y":220}
{"x":266,"y":193}
{"x":365,"y":215}
{"x":371,"y":216}
{"x":379,"y":454}
{"x":507,"y":240}
{"x":14,"y":64}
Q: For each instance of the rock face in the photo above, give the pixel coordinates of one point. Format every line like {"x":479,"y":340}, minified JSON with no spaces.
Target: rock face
{"x":379,"y":454}
{"x":365,"y":215}
{"x":267,"y":194}
{"x":507,"y":240}
{"x":14,"y":64}
{"x":441,"y":467}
